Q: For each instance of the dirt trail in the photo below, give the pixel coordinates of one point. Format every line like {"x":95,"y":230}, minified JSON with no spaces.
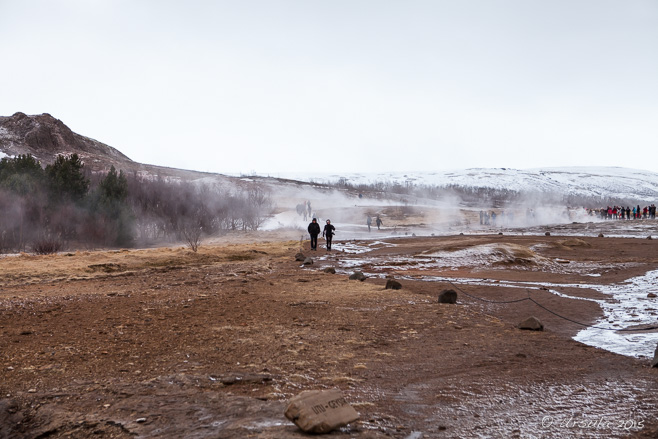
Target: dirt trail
{"x":170,"y":343}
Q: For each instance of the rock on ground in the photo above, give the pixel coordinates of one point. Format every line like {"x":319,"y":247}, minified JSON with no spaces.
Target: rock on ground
{"x":448,"y":296}
{"x":320,"y":411}
{"x":532,"y":324}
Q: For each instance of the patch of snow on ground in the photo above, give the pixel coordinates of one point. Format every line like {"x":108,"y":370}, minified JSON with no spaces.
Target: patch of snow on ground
{"x":630,"y":307}
{"x":485,"y":254}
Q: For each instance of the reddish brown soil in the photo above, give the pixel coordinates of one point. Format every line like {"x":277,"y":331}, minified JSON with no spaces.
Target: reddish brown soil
{"x":169,"y":343}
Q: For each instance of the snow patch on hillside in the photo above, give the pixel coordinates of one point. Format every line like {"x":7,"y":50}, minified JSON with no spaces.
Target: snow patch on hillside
{"x":603,"y":182}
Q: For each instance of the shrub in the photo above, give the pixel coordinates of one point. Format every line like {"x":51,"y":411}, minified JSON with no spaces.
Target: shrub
{"x":47,"y":246}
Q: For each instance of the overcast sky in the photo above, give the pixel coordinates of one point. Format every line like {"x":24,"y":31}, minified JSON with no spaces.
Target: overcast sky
{"x":274,"y":86}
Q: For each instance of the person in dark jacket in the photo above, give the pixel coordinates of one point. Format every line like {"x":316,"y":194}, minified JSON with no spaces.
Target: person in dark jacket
{"x":314,"y":231}
{"x":328,"y":233}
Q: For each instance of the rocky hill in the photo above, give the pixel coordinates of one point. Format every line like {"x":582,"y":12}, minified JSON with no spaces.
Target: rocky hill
{"x":45,"y":137}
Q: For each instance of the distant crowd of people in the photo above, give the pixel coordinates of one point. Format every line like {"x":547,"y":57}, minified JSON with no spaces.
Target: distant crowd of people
{"x":625,"y":213}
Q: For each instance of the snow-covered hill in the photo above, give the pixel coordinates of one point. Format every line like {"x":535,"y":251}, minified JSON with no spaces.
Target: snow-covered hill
{"x":598,"y":182}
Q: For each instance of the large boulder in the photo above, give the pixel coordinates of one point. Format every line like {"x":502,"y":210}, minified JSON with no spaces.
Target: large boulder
{"x":448,"y":296}
{"x":320,"y":411}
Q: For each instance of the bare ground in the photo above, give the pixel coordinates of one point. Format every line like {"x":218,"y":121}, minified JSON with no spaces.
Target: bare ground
{"x":170,"y":343}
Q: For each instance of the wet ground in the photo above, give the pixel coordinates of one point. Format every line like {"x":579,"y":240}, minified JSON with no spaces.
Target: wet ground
{"x":170,"y":343}
{"x":629,"y":325}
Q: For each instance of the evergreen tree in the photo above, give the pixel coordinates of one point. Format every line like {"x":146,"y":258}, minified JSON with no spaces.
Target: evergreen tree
{"x":22,"y":174}
{"x":114,"y":187}
{"x":111,"y":202}
{"x":66,"y":178}
{"x":22,"y":201}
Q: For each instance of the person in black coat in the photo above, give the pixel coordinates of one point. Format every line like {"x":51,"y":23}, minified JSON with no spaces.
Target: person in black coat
{"x":314,"y":231}
{"x":328,"y":233}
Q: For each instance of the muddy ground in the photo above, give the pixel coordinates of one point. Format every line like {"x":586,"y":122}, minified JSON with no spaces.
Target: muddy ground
{"x":170,"y":343}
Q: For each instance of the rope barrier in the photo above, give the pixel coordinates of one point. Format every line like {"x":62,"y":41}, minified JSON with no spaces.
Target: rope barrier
{"x":550,"y":311}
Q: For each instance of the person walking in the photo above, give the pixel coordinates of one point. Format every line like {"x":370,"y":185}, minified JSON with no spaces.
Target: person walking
{"x":369,"y":222}
{"x":314,"y":231}
{"x":328,"y":233}
{"x":379,"y":222}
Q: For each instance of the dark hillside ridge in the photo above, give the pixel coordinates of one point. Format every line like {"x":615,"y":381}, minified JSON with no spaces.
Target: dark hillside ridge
{"x":45,"y":137}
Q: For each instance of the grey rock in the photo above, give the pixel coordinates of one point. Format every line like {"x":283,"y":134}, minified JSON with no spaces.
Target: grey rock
{"x":330,"y":270}
{"x":654,"y":363}
{"x":307,"y":261}
{"x":300,"y":257}
{"x":532,"y":324}
{"x":357,"y":275}
{"x":448,"y":296}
